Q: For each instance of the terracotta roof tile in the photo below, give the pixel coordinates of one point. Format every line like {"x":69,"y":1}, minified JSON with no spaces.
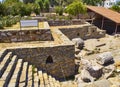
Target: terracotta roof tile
{"x":107,"y":13}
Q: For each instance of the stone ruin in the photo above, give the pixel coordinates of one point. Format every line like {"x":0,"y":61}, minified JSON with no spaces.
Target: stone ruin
{"x":95,"y":72}
{"x":49,"y":50}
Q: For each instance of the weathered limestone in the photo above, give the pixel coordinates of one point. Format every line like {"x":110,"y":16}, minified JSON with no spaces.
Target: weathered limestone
{"x":15,"y":77}
{"x":104,"y":58}
{"x":86,"y":77}
{"x":25,"y":35}
{"x":8,"y":72}
{"x":5,"y":62}
{"x":95,"y":71}
{"x":79,"y":43}
{"x":29,"y":76}
{"x":20,"y":73}
{"x":85,"y":31}
{"x":108,"y":71}
{"x":61,"y":56}
{"x":117,"y":64}
{"x":23,"y":76}
{"x":41,"y":78}
{"x":36,"y":78}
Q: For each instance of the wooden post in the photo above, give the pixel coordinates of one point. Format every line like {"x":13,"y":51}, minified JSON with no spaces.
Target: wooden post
{"x":116,"y":28}
{"x":92,"y":20}
{"x":38,"y":24}
{"x":102,"y":23}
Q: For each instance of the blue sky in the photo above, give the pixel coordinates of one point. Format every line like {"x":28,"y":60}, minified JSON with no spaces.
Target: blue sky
{"x":0,"y":0}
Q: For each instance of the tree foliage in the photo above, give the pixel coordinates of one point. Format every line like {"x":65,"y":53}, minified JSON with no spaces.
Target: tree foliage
{"x":46,"y":5}
{"x":59,"y":10}
{"x":18,"y":8}
{"x":76,"y":8}
{"x":28,"y":1}
{"x":115,"y":8}
{"x":92,"y":2}
{"x":41,"y":4}
{"x":2,"y":9}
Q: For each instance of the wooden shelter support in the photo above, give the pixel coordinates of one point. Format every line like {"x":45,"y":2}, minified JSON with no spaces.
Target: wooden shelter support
{"x":102,"y":23}
{"x":116,"y":28}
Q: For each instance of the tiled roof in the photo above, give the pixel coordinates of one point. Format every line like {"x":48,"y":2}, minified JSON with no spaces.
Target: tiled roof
{"x":107,"y":13}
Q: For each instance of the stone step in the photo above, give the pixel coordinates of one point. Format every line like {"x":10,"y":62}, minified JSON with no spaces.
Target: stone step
{"x":8,"y":72}
{"x":41,"y":79}
{"x":46,"y":80}
{"x":56,"y":83}
{"x":4,"y":63}
{"x":16,"y":75}
{"x":36,"y":78}
{"x":69,"y":84}
{"x":3,"y":53}
{"x":51,"y":81}
{"x":30,"y":77}
{"x":23,"y":77}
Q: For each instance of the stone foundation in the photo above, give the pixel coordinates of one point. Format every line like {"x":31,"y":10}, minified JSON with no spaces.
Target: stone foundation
{"x":65,"y":22}
{"x":62,"y":56}
{"x":84,"y":32}
{"x":56,"y":56}
{"x":25,"y":35}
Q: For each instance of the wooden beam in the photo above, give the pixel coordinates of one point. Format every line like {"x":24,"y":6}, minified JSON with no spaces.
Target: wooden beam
{"x":116,"y":28}
{"x":102,"y":23}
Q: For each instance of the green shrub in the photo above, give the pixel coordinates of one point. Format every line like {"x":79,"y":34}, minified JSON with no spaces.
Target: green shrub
{"x":59,"y":10}
{"x":1,"y":25}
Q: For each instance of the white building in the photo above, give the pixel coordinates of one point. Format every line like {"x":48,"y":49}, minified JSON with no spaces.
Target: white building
{"x":110,"y":3}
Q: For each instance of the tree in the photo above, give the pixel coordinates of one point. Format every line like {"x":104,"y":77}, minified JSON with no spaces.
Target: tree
{"x":115,"y":8}
{"x":46,"y":5}
{"x":63,"y":2}
{"x":41,"y":4}
{"x":2,"y":9}
{"x":76,"y":8}
{"x":59,"y":10}
{"x":28,"y":1}
{"x":92,"y":2}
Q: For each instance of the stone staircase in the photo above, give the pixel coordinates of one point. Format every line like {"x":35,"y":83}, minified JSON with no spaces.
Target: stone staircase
{"x":14,"y":72}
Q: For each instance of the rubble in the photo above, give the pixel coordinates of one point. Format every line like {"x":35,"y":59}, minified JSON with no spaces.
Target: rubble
{"x":108,"y":71}
{"x":105,"y":58}
{"x":79,"y":43}
{"x":117,"y":65}
{"x":96,"y":71}
{"x":86,"y":77}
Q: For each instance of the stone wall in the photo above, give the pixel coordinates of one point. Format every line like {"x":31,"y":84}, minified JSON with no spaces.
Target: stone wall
{"x":65,"y":22}
{"x":84,"y":32}
{"x":63,"y":59}
{"x":25,"y":35}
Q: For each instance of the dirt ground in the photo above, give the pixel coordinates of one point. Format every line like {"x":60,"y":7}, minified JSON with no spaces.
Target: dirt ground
{"x":97,"y":46}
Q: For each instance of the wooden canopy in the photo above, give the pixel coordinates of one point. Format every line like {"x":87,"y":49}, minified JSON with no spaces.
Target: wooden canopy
{"x":106,"y":13}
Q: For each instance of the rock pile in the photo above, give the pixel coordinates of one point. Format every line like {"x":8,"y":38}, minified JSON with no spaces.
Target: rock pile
{"x":97,"y":70}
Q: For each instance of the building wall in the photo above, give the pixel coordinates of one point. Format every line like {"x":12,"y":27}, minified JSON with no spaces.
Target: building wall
{"x":63,"y":59}
{"x":25,"y":35}
{"x":85,"y":32}
{"x":110,"y":3}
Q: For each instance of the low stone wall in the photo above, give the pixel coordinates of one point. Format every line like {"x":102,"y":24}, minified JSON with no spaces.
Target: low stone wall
{"x":84,"y":32}
{"x":25,"y":35}
{"x":65,"y":22}
{"x":62,"y":59}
